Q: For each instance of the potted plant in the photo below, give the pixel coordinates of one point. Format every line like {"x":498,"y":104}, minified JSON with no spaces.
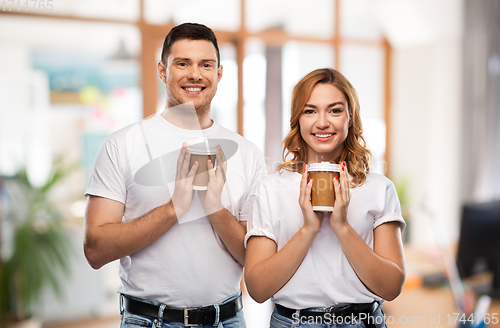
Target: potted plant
{"x":402,"y":191}
{"x":36,"y":248}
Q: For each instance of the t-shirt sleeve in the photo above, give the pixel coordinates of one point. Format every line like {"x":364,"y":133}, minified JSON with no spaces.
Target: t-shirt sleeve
{"x":391,"y":209}
{"x":259,"y":221}
{"x":259,"y":171}
{"x":106,"y":177}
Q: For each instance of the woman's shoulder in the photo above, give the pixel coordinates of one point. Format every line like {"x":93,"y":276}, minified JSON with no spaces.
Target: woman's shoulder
{"x":376,"y":193}
{"x":278,"y":181}
{"x":378,"y":180}
{"x":281,"y":176}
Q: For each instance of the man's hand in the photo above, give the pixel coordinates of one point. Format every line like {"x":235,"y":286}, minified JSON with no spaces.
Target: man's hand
{"x":211,"y":199}
{"x":183,"y":192}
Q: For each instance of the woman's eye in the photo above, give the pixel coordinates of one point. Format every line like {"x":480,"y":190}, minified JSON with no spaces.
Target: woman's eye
{"x":336,"y":110}
{"x":309,"y":111}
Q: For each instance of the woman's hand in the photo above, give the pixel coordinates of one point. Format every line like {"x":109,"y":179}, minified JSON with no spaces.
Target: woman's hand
{"x":338,"y":218}
{"x":312,"y":220}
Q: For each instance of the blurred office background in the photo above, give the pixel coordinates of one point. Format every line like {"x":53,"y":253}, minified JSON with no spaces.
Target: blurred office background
{"x":426,"y":72}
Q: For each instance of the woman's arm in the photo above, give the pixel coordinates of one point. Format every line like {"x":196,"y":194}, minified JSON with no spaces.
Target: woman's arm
{"x":382,"y":270}
{"x":268,"y":270}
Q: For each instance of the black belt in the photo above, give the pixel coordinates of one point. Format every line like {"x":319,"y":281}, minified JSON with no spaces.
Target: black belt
{"x":348,"y":311}
{"x":189,"y":316}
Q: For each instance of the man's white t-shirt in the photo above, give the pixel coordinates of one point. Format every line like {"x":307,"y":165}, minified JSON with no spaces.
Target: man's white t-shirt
{"x":187,"y":266}
{"x":325,"y":277}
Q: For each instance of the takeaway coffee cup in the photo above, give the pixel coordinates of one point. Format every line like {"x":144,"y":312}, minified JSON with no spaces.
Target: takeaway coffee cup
{"x":202,"y":152}
{"x":323,"y":191}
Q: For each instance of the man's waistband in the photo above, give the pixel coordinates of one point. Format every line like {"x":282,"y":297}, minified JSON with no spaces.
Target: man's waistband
{"x":207,"y":315}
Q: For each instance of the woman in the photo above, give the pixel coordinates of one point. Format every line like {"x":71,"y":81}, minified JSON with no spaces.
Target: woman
{"x":325,"y":269}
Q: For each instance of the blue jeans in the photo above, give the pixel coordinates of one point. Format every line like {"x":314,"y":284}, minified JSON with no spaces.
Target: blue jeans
{"x":279,"y":321}
{"x":130,"y":320}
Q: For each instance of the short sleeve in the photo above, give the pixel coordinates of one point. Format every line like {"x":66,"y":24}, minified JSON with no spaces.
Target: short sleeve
{"x":391,"y":209}
{"x":106,"y":177}
{"x":259,"y":221}
{"x":259,"y":170}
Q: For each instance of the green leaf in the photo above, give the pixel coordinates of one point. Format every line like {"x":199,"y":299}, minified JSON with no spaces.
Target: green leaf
{"x":41,"y":249}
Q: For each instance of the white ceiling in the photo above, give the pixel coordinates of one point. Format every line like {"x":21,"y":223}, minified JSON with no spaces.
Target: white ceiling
{"x":405,"y":23}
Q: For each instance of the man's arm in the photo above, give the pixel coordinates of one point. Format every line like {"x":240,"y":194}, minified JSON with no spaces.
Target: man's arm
{"x":230,"y":230}
{"x":232,"y":233}
{"x":107,"y":238}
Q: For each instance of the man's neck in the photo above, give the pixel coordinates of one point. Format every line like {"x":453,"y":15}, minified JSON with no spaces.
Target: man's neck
{"x":186,"y":118}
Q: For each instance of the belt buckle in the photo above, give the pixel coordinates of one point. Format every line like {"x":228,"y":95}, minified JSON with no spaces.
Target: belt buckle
{"x":186,"y":318}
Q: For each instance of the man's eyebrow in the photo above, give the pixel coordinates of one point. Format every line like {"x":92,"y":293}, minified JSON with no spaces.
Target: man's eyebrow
{"x":189,"y":59}
{"x":181,"y":59}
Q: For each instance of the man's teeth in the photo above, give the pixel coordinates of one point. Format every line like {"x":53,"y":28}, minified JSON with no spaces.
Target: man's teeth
{"x":323,"y":135}
{"x":193,"y":89}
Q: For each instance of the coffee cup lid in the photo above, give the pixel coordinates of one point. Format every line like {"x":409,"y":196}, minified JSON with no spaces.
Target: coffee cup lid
{"x":202,"y":146}
{"x":324,"y":166}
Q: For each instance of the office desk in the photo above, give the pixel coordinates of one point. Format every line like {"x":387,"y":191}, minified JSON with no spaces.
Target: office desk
{"x":420,"y":306}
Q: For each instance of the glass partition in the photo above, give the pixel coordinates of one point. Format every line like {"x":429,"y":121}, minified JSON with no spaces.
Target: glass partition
{"x":364,"y":67}
{"x":218,"y":14}
{"x":359,"y":20}
{"x":92,"y":81}
{"x":314,"y":18}
{"x":105,"y":9}
{"x":254,"y":92}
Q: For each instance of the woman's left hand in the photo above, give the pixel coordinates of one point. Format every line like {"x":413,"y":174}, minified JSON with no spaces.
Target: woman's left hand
{"x":338,"y":218}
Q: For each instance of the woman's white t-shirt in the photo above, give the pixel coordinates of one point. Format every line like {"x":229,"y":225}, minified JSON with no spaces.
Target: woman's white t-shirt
{"x":325,"y":277}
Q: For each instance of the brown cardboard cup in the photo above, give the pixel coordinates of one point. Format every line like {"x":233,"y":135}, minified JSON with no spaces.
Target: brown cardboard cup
{"x":323,"y":191}
{"x":202,"y":152}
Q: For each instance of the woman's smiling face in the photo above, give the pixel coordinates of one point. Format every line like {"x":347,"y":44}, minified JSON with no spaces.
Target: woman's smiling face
{"x":324,"y":123}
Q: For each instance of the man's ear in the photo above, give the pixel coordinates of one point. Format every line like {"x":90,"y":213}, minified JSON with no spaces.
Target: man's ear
{"x":219,"y":73}
{"x":162,"y":71}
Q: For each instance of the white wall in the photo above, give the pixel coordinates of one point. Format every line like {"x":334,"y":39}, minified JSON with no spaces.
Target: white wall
{"x":426,"y":121}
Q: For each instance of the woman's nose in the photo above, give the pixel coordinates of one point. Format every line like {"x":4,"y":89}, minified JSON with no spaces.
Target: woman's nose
{"x":322,"y":122}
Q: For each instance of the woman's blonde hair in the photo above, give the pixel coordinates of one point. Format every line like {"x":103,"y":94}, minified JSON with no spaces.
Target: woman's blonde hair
{"x":355,"y":154}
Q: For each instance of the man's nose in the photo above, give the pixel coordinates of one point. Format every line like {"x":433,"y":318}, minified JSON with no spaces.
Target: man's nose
{"x":194,"y":73}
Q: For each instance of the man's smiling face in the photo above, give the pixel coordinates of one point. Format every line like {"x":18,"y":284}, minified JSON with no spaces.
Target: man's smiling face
{"x":191,"y":74}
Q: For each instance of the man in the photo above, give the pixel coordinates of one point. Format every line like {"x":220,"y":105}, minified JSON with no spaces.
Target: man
{"x":181,"y":251}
